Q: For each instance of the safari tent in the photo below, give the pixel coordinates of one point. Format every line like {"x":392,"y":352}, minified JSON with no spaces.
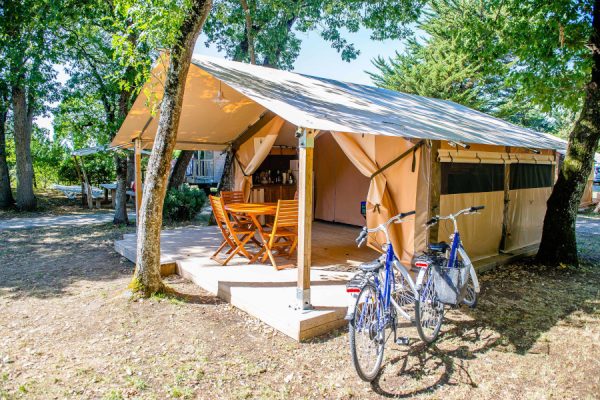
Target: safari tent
{"x":355,"y":143}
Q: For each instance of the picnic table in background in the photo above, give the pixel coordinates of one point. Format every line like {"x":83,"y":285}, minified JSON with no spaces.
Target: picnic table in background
{"x":71,"y":191}
{"x":112,"y":187}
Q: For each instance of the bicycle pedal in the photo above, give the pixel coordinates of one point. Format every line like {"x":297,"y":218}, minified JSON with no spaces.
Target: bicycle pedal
{"x":403,"y":341}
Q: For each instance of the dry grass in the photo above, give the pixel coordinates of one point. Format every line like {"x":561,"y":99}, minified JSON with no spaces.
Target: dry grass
{"x":49,"y":202}
{"x":70,"y":331}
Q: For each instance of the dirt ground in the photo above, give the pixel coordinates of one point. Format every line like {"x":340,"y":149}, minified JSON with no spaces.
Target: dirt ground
{"x":69,"y":330}
{"x":50,"y":203}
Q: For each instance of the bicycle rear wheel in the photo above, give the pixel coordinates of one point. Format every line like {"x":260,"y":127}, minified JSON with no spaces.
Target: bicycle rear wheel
{"x":367,"y":334}
{"x":429,"y":311}
{"x":470,"y":295}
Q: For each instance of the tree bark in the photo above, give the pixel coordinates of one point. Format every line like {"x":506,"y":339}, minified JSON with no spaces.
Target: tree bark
{"x":147,"y":279}
{"x":559,"y":245}
{"x":178,"y":174}
{"x":6,"y":197}
{"x":23,"y":120}
{"x":130,"y":168}
{"x":249,"y":33}
{"x":120,"y":216}
{"x":226,"y":182}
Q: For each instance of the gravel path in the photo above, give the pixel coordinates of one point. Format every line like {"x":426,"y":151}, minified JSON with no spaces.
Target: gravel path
{"x":58,"y":220}
{"x":588,"y":225}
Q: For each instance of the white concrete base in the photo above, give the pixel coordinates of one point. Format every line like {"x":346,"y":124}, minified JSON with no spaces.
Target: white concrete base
{"x":259,"y":289}
{"x":270,"y":295}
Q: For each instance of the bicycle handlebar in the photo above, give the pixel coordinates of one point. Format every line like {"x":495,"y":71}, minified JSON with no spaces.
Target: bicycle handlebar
{"x":360,"y":240}
{"x":437,"y":218}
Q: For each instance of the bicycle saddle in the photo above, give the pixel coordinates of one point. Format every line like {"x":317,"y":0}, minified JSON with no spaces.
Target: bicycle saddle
{"x":439,"y":247}
{"x":371,"y":266}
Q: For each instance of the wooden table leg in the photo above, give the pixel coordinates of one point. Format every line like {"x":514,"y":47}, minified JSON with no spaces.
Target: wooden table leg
{"x":261,"y":234}
{"x":113,"y":195}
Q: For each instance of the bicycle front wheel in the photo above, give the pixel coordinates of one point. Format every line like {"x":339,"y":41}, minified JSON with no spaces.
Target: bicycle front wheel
{"x":470,"y":295}
{"x":367,"y":334}
{"x":429,"y":311}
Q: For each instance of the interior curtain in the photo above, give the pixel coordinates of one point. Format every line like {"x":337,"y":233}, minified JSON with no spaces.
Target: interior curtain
{"x":380,"y":206}
{"x":249,"y":157}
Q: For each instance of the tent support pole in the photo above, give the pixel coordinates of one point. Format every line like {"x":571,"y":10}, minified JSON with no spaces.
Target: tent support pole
{"x":137,"y":144}
{"x":305,"y":216}
{"x":505,"y":221}
{"x":435,"y":187}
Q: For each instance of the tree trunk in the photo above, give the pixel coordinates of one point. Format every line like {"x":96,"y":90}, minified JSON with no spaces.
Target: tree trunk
{"x":130,"y":168}
{"x":226,"y":182}
{"x":178,"y":174}
{"x":6,"y":197}
{"x":146,"y":277}
{"x":249,"y":32}
{"x":120,"y":216}
{"x":559,"y":245}
{"x":23,"y":120}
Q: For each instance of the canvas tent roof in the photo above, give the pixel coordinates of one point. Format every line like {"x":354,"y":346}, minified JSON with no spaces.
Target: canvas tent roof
{"x":316,"y":103}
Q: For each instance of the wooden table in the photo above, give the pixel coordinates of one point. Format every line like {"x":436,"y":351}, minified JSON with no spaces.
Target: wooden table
{"x":254,"y":210}
{"x":113,"y":192}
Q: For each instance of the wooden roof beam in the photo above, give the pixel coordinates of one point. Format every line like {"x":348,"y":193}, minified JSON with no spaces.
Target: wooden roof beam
{"x":253,"y":129}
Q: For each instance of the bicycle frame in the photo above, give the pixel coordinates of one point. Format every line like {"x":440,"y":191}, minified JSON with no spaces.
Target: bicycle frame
{"x":386,"y":288}
{"x":457,"y":249}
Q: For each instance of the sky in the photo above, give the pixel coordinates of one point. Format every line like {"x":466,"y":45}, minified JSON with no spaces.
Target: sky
{"x":316,"y":58}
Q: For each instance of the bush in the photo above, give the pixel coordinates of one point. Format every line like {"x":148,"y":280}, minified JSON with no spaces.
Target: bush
{"x":183,"y":204}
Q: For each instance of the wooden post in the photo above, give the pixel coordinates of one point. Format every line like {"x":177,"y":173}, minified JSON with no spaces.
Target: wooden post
{"x":88,"y":187}
{"x":435,"y":188}
{"x":80,"y":180}
{"x":137,"y":145}
{"x":305,"y":216}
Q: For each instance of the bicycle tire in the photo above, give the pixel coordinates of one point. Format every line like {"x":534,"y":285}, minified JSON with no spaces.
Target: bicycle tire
{"x":470,"y":299}
{"x":363,"y":318}
{"x":426,"y":305}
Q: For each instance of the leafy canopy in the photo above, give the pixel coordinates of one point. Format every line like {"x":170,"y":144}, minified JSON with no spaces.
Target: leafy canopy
{"x":523,"y":61}
{"x":276,"y":25}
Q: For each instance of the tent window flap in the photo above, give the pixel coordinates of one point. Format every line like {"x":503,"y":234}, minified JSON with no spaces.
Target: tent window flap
{"x":530,"y":176}
{"x":472,"y":178}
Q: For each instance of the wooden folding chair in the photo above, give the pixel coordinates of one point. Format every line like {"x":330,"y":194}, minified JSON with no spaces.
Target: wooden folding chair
{"x":233,"y":197}
{"x":240,"y":220}
{"x":236,"y":197}
{"x":284,"y":233}
{"x":234,"y":236}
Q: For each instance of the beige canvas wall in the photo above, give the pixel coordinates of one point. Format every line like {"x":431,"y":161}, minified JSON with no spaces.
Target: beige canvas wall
{"x":339,"y":186}
{"x":480,"y":233}
{"x":391,"y":191}
{"x":526,"y":211}
{"x":587,"y":197}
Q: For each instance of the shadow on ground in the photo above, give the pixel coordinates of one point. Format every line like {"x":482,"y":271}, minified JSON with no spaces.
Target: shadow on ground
{"x":517,"y":306}
{"x":42,"y":262}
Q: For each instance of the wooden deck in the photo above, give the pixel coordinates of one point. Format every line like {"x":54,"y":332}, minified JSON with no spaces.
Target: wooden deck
{"x":270,"y":295}
{"x":259,"y":289}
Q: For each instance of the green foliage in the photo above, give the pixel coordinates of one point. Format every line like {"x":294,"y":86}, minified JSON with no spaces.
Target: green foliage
{"x":140,"y":30}
{"x":47,"y":156}
{"x":183,"y":204}
{"x":276,"y":24}
{"x":433,"y":70}
{"x":472,"y":53}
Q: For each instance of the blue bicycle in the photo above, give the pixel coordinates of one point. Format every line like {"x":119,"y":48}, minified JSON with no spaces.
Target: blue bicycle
{"x":378,"y":292}
{"x":384,"y":287}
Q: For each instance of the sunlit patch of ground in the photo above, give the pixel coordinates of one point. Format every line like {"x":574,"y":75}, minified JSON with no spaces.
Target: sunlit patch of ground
{"x":69,"y":331}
